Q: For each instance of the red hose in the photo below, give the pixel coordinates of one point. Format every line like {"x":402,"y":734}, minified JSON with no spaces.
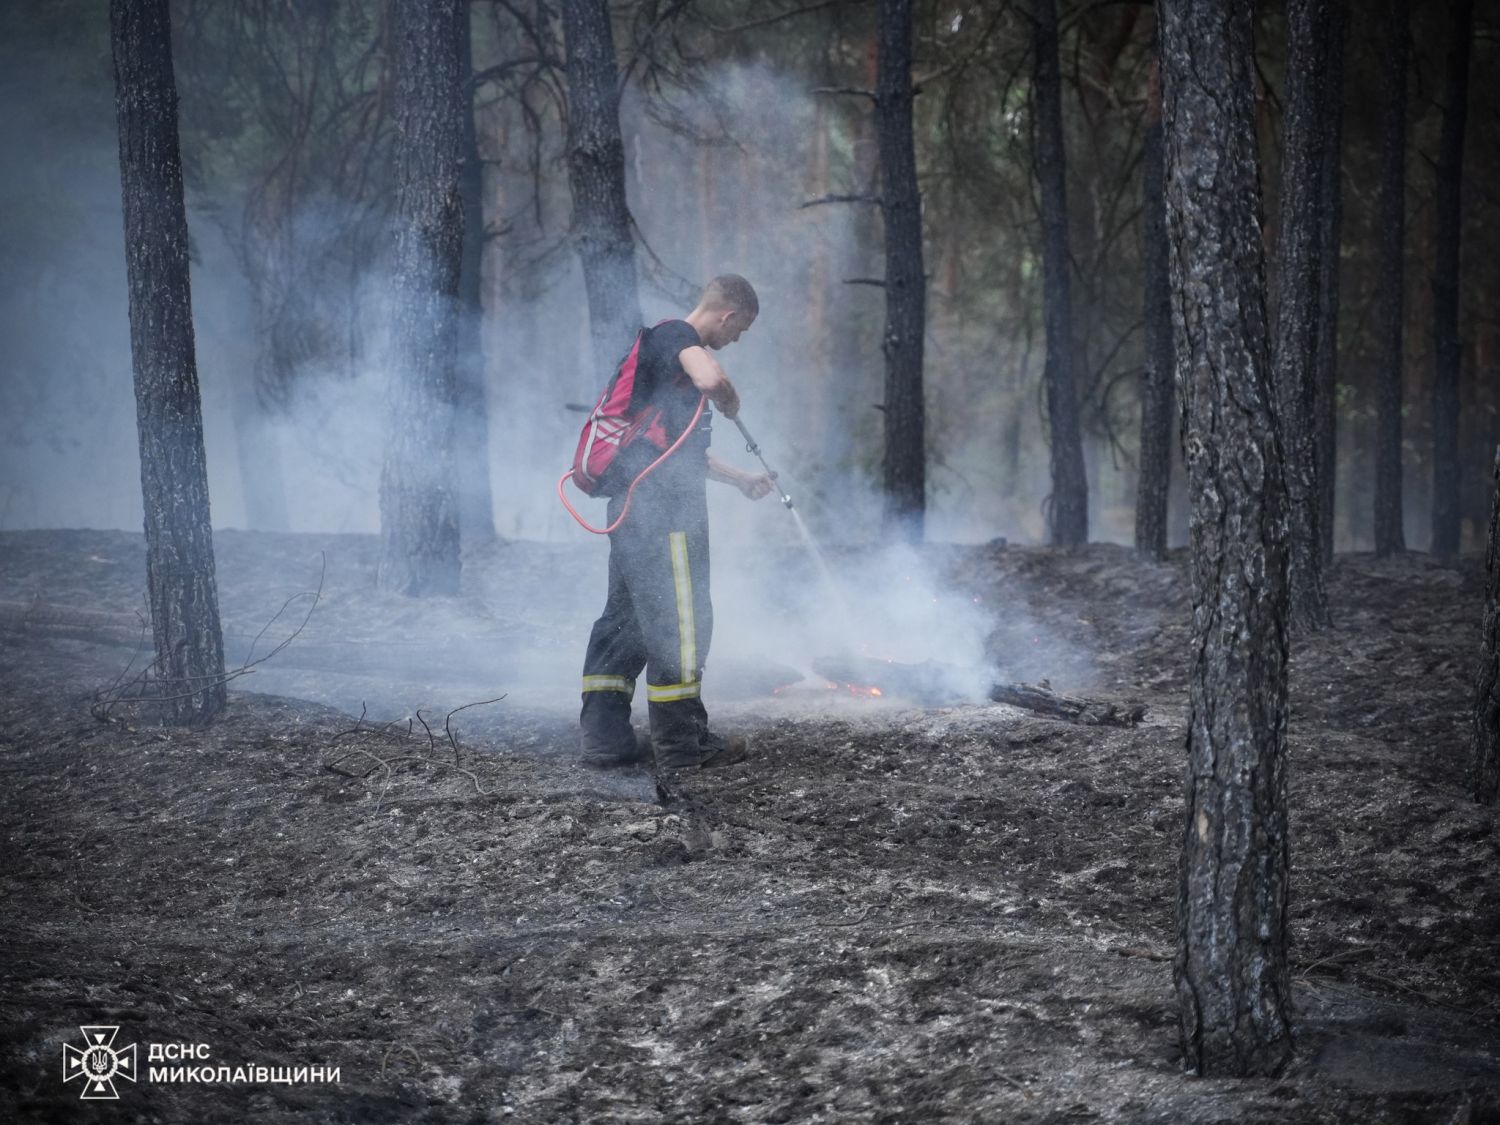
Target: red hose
{"x":630,"y":492}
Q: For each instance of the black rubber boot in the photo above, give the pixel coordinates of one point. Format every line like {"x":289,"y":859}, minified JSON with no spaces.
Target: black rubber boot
{"x":723,"y":750}
{"x":679,"y":730}
{"x":615,"y":752}
{"x":608,"y":741}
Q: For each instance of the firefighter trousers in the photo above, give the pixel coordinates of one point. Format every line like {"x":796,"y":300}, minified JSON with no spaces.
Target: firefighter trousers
{"x":657,"y":618}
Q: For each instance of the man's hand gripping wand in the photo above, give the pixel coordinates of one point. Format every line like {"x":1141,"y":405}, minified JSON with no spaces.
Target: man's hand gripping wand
{"x":752,"y":447}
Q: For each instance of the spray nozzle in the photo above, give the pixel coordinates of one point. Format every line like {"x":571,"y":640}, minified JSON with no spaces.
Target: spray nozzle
{"x":752,"y":448}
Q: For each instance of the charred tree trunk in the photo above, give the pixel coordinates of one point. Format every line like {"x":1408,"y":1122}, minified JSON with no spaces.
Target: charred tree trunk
{"x":596,"y":173}
{"x":1389,"y":309}
{"x":1158,"y":395}
{"x":1069,"y":515}
{"x":905,"y":467}
{"x":1231,"y":964}
{"x":418,"y":510}
{"x":1486,"y":749}
{"x":476,"y":516}
{"x":1294,"y":356}
{"x":1445,"y":342}
{"x":180,"y":579}
{"x":1330,"y":232}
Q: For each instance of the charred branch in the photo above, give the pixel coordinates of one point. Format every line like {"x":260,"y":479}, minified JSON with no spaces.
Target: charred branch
{"x":933,"y":683}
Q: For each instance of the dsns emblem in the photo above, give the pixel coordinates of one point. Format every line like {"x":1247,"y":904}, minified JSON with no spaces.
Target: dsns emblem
{"x":98,"y":1062}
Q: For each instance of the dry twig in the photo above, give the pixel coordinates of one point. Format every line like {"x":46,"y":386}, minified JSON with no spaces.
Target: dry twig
{"x":146,"y":686}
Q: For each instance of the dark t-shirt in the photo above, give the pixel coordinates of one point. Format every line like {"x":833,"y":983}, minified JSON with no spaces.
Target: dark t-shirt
{"x":661,"y":382}
{"x":659,"y":378}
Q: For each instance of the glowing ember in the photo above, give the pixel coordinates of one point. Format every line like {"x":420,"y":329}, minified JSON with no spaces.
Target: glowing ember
{"x":863,"y":690}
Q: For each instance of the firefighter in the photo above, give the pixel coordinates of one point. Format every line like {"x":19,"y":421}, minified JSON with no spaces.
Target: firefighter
{"x":657,"y":615}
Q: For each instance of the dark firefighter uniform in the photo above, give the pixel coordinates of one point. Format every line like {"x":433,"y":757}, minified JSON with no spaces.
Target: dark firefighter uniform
{"x":657,"y":615}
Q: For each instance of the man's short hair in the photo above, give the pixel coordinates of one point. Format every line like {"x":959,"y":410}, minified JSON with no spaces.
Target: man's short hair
{"x":731,"y":291}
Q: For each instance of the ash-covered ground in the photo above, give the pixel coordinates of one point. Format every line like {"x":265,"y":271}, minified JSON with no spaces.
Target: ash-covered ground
{"x":890,"y":913}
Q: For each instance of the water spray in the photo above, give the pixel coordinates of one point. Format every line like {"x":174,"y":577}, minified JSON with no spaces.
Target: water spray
{"x":752,"y":447}
{"x":824,"y":570}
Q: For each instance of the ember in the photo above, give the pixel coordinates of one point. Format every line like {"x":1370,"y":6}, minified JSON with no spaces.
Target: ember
{"x":866,"y":690}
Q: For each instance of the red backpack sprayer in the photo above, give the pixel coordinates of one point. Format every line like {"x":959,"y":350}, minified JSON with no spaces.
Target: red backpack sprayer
{"x":613,"y":425}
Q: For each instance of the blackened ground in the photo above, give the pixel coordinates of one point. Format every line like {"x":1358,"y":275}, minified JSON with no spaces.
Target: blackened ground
{"x":889,"y":914}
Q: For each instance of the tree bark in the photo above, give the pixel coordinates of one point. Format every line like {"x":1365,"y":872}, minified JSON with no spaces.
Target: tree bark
{"x":1294,"y":355}
{"x":596,"y":173}
{"x":418,"y":508}
{"x":1486,"y":743}
{"x":1330,"y":232}
{"x":1069,"y":513}
{"x":476,"y":516}
{"x":1231,"y":965}
{"x":1158,"y":391}
{"x":1389,"y":310}
{"x":905,"y":466}
{"x":181,"y":584}
{"x":1446,"y":347}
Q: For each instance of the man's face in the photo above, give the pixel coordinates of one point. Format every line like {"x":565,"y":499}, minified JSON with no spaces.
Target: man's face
{"x":730,"y":328}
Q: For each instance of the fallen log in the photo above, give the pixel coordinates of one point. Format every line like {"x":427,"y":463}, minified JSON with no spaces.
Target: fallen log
{"x":1089,"y":712}
{"x":936,"y":684}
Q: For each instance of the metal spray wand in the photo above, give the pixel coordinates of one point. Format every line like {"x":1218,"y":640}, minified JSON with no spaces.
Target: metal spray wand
{"x":752,"y":447}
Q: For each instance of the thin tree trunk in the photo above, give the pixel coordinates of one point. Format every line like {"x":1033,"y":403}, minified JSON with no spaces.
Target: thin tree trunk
{"x":905,"y":466}
{"x":1486,"y":744}
{"x":1478,"y":396}
{"x":823,"y":388}
{"x":476,"y":517}
{"x":1070,"y":491}
{"x":418,"y":508}
{"x":1294,"y":356}
{"x":596,"y":173}
{"x":1447,"y":349}
{"x":182,"y":588}
{"x":1158,"y":397}
{"x":1231,"y":966}
{"x":1330,"y":231}
{"x":1389,"y":311}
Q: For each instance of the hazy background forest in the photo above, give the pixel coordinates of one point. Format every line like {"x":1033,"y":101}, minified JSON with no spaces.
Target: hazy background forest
{"x":286,"y":130}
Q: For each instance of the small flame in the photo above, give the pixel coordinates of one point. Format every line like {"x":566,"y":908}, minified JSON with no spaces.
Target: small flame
{"x":855,"y":689}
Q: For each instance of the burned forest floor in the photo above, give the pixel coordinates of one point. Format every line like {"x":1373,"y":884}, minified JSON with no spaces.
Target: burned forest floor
{"x":891,"y":912}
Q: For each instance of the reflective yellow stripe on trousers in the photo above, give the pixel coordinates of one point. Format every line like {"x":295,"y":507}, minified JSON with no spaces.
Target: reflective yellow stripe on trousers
{"x":609,"y":683}
{"x":671,"y":693}
{"x":687,"y":628}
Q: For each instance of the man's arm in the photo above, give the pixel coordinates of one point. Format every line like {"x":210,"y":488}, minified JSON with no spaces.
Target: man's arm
{"x":753,"y":485}
{"x":706,"y":374}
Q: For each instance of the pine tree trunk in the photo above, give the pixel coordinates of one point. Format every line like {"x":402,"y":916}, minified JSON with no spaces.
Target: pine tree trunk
{"x":1231,"y":966}
{"x":476,"y":516}
{"x":596,"y":172}
{"x":1070,"y":491}
{"x":1389,"y":310}
{"x":1294,"y":355}
{"x":1330,"y":232}
{"x":1158,"y":388}
{"x":418,"y":506}
{"x":1486,"y":747}
{"x":905,"y":467}
{"x":1447,"y":350}
{"x":182,"y":588}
